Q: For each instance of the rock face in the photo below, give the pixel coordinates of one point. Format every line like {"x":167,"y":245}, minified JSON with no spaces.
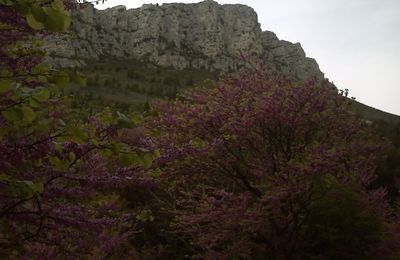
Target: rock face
{"x":204,"y":35}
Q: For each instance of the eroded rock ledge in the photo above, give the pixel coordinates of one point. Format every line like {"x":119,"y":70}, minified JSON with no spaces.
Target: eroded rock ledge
{"x":204,"y":35}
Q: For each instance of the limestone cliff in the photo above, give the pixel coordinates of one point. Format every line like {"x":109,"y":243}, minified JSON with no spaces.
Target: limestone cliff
{"x":202,"y":35}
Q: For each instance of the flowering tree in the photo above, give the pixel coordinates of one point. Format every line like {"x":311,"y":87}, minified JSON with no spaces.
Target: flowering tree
{"x":58,"y":176}
{"x":262,"y":166}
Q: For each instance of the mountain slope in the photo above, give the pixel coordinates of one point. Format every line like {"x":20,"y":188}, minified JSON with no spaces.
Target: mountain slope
{"x":204,"y":35}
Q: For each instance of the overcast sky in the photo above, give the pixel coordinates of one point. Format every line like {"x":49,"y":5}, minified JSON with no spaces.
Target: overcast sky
{"x":355,"y":42}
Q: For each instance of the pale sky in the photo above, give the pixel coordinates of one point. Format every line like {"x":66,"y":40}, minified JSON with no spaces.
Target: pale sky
{"x":355,"y":42}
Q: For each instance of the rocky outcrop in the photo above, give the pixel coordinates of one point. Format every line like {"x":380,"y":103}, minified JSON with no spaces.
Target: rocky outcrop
{"x":202,"y":35}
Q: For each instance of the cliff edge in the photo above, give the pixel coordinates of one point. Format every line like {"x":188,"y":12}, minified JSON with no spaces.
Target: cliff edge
{"x":204,"y":35}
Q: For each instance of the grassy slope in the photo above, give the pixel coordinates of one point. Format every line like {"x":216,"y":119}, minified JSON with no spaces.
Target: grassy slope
{"x":131,"y":85}
{"x":374,"y":114}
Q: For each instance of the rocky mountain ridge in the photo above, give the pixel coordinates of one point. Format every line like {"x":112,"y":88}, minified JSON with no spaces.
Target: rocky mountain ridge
{"x":204,"y":35}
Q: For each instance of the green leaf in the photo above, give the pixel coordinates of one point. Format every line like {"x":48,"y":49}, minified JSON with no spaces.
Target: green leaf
{"x":136,"y":117}
{"x":146,"y":161}
{"x":34,"y":23}
{"x":38,"y":13}
{"x":4,"y":177}
{"x":116,"y":147}
{"x":28,"y":114}
{"x":230,"y":138}
{"x":127,"y":159}
{"x":105,"y":116}
{"x":60,"y":78}
{"x":4,"y":130}
{"x":81,"y":79}
{"x":42,"y":126}
{"x":26,"y":92}
{"x":123,"y":121}
{"x":28,"y":189}
{"x":39,"y":187}
{"x":57,"y":21}
{"x":59,"y":147}
{"x":155,"y":173}
{"x":198,"y":143}
{"x":67,"y":24}
{"x":41,"y":68}
{"x":22,"y":7}
{"x":33,"y":103}
{"x":71,"y":156}
{"x":76,"y":134}
{"x":58,"y":5}
{"x":38,"y":163}
{"x":11,"y":115}
{"x":6,"y":85}
{"x":6,"y":2}
{"x":42,"y":94}
{"x":156,"y":154}
{"x":58,"y":164}
{"x":145,"y":216}
{"x":106,"y":152}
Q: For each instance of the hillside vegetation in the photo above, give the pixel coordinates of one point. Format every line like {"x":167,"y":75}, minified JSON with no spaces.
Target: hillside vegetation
{"x":132,"y":85}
